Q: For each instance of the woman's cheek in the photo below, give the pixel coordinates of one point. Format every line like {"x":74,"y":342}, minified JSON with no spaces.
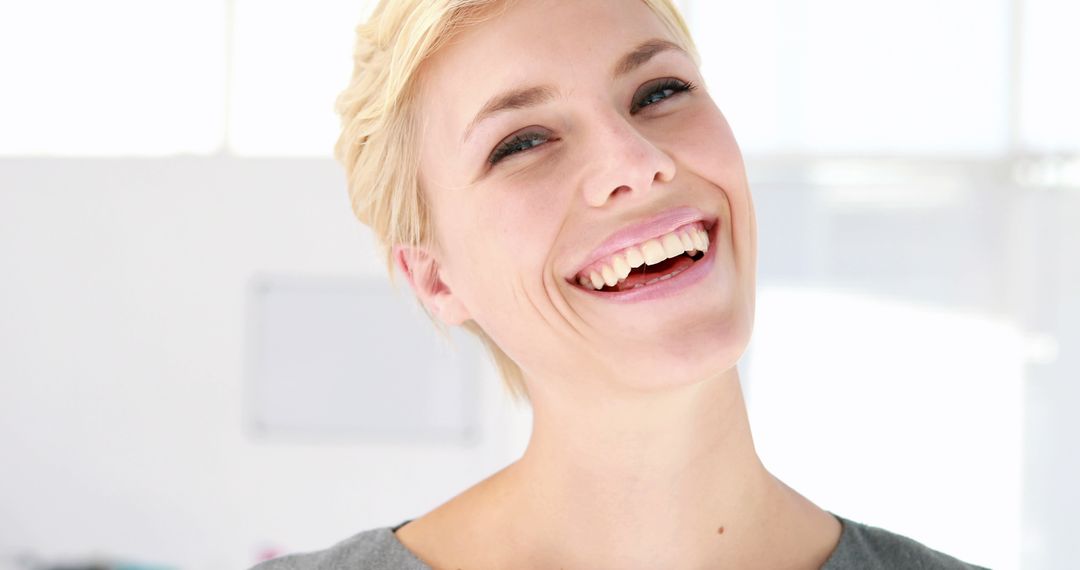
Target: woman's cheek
{"x":533,"y":198}
{"x":516,"y":225}
{"x":706,"y":145}
{"x":695,"y":127}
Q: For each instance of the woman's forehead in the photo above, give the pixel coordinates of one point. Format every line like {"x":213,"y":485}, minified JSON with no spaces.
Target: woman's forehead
{"x":531,"y":44}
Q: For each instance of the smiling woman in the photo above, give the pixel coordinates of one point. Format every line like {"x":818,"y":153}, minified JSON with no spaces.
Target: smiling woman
{"x":554,"y":176}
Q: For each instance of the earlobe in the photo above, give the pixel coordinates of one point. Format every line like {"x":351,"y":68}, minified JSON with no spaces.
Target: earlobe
{"x":421,"y":269}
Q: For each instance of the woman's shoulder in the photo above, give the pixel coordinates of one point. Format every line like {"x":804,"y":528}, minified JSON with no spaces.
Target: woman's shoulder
{"x":376,"y":548}
{"x":871,"y":548}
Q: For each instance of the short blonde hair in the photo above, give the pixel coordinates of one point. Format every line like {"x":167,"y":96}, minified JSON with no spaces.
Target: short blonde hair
{"x":379,"y":145}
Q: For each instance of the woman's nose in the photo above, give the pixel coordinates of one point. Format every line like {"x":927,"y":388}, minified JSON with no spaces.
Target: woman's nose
{"x":623,"y":160}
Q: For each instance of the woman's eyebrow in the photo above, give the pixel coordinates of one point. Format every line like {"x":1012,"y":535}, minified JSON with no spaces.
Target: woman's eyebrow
{"x":522,"y":98}
{"x":512,"y":99}
{"x":641,"y":54}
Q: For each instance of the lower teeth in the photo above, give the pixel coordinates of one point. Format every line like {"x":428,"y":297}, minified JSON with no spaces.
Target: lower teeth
{"x":661,"y":278}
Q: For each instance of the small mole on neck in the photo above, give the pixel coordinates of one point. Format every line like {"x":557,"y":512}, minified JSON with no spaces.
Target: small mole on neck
{"x":720,"y":531}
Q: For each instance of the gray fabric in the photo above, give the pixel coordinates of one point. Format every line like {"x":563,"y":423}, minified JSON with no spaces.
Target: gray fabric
{"x":861,"y":547}
{"x":866,"y":547}
{"x":375,"y":549}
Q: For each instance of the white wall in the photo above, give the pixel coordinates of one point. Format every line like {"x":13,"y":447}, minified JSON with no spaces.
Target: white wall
{"x":121,"y":367}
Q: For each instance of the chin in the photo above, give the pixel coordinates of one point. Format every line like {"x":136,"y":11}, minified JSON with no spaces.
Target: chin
{"x":701,"y":353}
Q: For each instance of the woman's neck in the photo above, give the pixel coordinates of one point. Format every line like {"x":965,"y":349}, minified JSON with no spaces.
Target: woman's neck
{"x":646,"y":476}
{"x":671,"y":480}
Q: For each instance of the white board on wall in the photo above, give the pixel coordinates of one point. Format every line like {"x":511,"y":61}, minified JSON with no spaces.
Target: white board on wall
{"x":351,"y":358}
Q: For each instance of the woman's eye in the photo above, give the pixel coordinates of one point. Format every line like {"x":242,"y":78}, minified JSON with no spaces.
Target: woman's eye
{"x":655,"y":93}
{"x":517,"y":143}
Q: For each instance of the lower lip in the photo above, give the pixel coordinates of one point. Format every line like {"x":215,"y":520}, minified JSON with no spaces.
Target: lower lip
{"x":668,"y":287}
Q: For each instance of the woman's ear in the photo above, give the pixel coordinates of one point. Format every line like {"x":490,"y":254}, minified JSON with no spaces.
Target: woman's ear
{"x":423,"y":273}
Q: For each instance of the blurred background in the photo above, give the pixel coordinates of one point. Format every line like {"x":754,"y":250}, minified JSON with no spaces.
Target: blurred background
{"x":202,"y":364}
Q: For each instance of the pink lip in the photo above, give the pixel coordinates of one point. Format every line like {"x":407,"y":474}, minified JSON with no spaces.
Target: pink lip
{"x":647,"y":229}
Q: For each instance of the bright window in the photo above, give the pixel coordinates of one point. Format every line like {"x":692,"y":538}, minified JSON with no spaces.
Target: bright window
{"x":291,"y":59}
{"x":1050,"y":83}
{"x":856,"y":78}
{"x":113,"y":77}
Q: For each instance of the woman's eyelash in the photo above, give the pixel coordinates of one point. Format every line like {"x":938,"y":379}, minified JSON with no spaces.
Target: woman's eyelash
{"x":527,"y":140}
{"x":672,"y":85}
{"x":523,"y":141}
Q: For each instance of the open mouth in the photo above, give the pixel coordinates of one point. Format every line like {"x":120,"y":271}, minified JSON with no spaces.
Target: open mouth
{"x":649,"y":274}
{"x":649,"y":263}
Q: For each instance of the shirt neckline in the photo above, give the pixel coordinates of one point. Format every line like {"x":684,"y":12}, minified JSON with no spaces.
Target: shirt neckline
{"x":845,"y":536}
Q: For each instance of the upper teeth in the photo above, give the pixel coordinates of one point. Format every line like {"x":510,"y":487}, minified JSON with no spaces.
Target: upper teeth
{"x":690,"y":239}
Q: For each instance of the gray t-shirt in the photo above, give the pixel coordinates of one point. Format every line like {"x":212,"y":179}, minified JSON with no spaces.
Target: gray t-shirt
{"x":861,"y":547}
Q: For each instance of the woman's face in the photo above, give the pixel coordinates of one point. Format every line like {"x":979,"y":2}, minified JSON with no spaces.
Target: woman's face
{"x":602,"y":143}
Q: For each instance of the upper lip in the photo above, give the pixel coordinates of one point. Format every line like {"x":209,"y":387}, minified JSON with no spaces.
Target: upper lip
{"x":651,"y":227}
